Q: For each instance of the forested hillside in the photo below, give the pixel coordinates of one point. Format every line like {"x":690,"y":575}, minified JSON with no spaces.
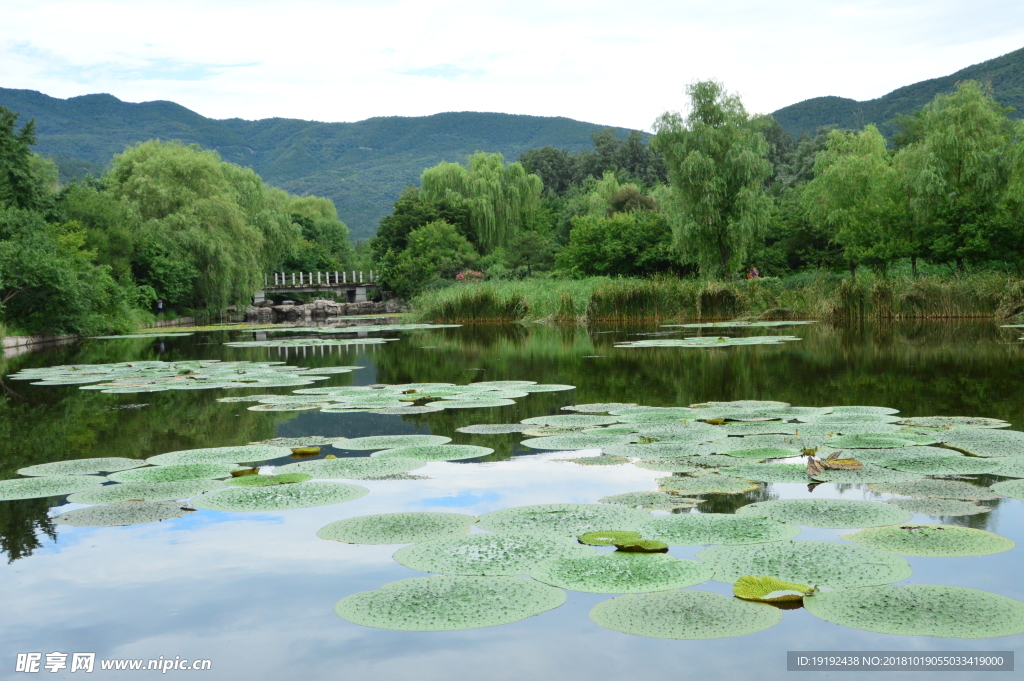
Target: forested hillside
{"x":1004,"y":74}
{"x":362,"y":166}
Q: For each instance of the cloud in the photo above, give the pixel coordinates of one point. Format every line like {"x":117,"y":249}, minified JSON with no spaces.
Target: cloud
{"x":445,"y":71}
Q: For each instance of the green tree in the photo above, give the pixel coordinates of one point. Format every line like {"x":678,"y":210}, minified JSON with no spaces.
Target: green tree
{"x":435,"y":253}
{"x":21,"y":185}
{"x":502,"y":200}
{"x":325,"y":244}
{"x":637,"y":243}
{"x":412,"y":211}
{"x":717,"y":166}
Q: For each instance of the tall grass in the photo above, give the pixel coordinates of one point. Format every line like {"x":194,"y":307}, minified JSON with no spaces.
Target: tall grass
{"x":817,"y":296}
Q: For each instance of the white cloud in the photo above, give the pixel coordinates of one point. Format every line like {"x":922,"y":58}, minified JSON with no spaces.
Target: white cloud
{"x":600,"y":61}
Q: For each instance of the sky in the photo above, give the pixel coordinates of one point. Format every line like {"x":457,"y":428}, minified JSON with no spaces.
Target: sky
{"x":612,"y":63}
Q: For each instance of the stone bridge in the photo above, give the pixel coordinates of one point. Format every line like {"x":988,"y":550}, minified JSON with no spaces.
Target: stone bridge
{"x":351,"y":286}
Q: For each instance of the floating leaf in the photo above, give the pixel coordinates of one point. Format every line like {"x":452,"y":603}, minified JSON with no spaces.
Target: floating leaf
{"x":846,"y":409}
{"x":653,"y":501}
{"x":243,"y":454}
{"x":879,"y":441}
{"x":710,"y":483}
{"x":684,"y":465}
{"x":768,"y":589}
{"x":574,"y":420}
{"x":194,"y":471}
{"x":642,"y":546}
{"x":939,"y":507}
{"x":598,"y":460}
{"x":921,"y":610}
{"x":495,"y":428}
{"x":397,"y":528}
{"x":82,"y":466}
{"x":489,"y":554}
{"x":435,"y":452}
{"x":279,"y":497}
{"x":694,"y":529}
{"x":449,"y":603}
{"x":930,"y":464}
{"x":142,"y":491}
{"x":1009,"y":488}
{"x":868,"y":473}
{"x":684,"y":614}
{"x":309,"y":441}
{"x":124,"y":513}
{"x":547,"y":388}
{"x":762,"y":453}
{"x":993,"y":448}
{"x":819,"y":563}
{"x":391,"y":442}
{"x":935,"y":541}
{"x":617,"y":573}
{"x":954,"y":422}
{"x":47,"y":486}
{"x":769,"y":472}
{"x":652,"y":414}
{"x":354,"y":467}
{"x":608,"y":537}
{"x":741,"y":428}
{"x":599,"y":408}
{"x":268,"y":480}
{"x":938,"y":489}
{"x":827,"y":513}
{"x":585,"y":440}
{"x":658,"y":450}
{"x":564,"y":519}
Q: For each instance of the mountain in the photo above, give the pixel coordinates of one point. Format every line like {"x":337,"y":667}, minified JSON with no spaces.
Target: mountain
{"x":362,"y":166}
{"x":1005,"y":74}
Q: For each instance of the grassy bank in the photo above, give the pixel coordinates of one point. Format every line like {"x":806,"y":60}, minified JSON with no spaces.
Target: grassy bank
{"x":816,"y":296}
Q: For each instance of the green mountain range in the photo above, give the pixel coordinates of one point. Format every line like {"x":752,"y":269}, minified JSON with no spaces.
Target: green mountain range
{"x":362,"y":166}
{"x":1004,"y":74}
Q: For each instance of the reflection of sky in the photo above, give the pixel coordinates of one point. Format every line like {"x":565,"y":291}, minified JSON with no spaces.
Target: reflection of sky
{"x":254,"y":593}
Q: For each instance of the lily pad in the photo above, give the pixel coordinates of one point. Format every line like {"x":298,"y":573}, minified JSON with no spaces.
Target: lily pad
{"x":769,"y":472}
{"x":653,"y":414}
{"x":658,"y":450}
{"x":82,"y":466}
{"x":495,"y":428}
{"x":47,"y":486}
{"x":143,"y":491}
{"x":588,"y":440}
{"x":710,"y":483}
{"x":921,"y":610}
{"x":124,"y":513}
{"x":489,"y":554}
{"x":243,"y":454}
{"x":939,"y":507}
{"x":391,"y":442}
{"x":936,"y":489}
{"x":608,"y":537}
{"x":308,"y":441}
{"x":684,"y":614}
{"x":762,"y":453}
{"x":268,"y":480}
{"x":599,"y":408}
{"x":850,"y":409}
{"x":741,"y":428}
{"x":652,"y":501}
{"x":574,"y":420}
{"x":934,"y":541}
{"x":279,"y":497}
{"x":952,"y":464}
{"x":824,"y":564}
{"x":869,"y":473}
{"x":693,"y":529}
{"x":683,"y":465}
{"x":435,"y":452}
{"x":546,"y":388}
{"x":397,"y":528}
{"x":563,"y":519}
{"x":954,"y":422}
{"x":983,"y":448}
{"x":449,"y":603}
{"x":617,"y":573}
{"x":1010,"y":488}
{"x":879,"y":441}
{"x":826,"y":513}
{"x":768,"y":589}
{"x":601,"y":460}
{"x":353,"y":467}
{"x":193,"y":471}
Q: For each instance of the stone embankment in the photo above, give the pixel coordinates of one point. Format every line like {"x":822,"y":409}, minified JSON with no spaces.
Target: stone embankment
{"x":266,"y":312}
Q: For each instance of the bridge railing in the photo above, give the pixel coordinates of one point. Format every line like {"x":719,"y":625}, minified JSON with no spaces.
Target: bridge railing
{"x":350,"y":278}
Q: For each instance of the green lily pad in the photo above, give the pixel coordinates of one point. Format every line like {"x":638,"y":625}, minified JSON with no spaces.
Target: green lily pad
{"x":243,"y":454}
{"x":937,"y":489}
{"x":934,"y":541}
{"x":564,"y":519}
{"x":1010,"y":488}
{"x":762,"y":453}
{"x":827,"y":513}
{"x":658,"y":450}
{"x":879,"y":441}
{"x":475,"y":403}
{"x":618,"y":573}
{"x":850,"y":409}
{"x":742,"y":404}
{"x":768,"y":589}
{"x":608,"y":537}
{"x":652,"y":501}
{"x":939,"y":507}
{"x":82,"y":466}
{"x":494,"y":428}
{"x":694,"y":529}
{"x":397,"y":528}
{"x":921,"y":610}
{"x":819,"y":563}
{"x":710,"y":483}
{"x":279,"y":497}
{"x":193,"y":471}
{"x":951,"y":464}
{"x":742,"y":428}
{"x":47,"y":486}
{"x":145,"y":491}
{"x":449,"y":603}
{"x":954,"y":422}
{"x":353,"y":467}
{"x":684,"y":614}
{"x":435,"y":452}
{"x":489,"y":554}
{"x":309,"y":441}
{"x":769,"y":472}
{"x":124,"y":513}
{"x":391,"y":442}
{"x":268,"y":480}
{"x":653,"y":414}
{"x":584,"y":440}
{"x":870,"y":473}
{"x":600,"y":460}
{"x":684,"y":465}
{"x":599,"y":408}
{"x":575,"y":420}
{"x":993,"y":449}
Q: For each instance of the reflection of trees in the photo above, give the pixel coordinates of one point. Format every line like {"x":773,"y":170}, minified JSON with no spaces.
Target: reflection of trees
{"x":21,"y":522}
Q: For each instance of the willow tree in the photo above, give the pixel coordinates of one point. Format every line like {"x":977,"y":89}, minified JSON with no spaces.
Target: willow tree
{"x":717,"y":166}
{"x":502,"y":199}
{"x":856,"y":194}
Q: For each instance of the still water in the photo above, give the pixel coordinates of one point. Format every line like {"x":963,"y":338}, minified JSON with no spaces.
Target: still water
{"x":254,"y":592}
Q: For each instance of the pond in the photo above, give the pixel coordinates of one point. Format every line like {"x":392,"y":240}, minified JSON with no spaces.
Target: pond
{"x":255,"y":591}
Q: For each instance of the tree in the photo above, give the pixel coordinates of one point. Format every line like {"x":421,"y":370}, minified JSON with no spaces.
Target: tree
{"x":20,"y":185}
{"x":412,"y":211}
{"x":435,"y":252}
{"x":623,"y":244}
{"x":502,"y":200}
{"x":325,"y":244}
{"x":717,"y":166}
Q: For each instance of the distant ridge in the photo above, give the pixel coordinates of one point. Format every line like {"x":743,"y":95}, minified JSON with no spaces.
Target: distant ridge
{"x":362,"y":166}
{"x":1005,"y":74}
